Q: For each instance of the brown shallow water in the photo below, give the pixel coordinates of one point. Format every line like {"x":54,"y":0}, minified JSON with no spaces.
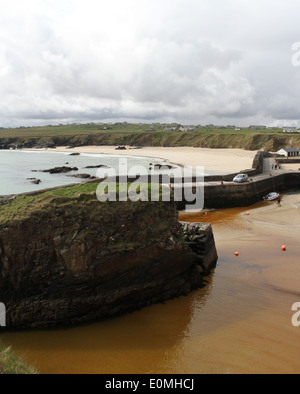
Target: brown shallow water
{"x":239,"y":323}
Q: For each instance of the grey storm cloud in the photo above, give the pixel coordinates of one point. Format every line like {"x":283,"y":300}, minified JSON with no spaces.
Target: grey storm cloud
{"x":217,"y":61}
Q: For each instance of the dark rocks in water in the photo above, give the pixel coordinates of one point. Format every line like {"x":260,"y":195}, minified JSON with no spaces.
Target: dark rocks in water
{"x":35,"y":181}
{"x":99,"y":166}
{"x":61,"y":170}
{"x":74,"y":154}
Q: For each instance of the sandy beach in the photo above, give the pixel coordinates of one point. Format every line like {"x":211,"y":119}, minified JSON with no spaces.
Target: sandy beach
{"x":219,"y":161}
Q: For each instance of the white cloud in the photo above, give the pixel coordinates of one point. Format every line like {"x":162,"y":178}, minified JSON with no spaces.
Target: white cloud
{"x":184,"y":60}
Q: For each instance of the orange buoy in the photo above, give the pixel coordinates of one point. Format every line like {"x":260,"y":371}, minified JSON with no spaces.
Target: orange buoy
{"x":284,"y":248}
{"x":248,"y":213}
{"x":237,"y":254}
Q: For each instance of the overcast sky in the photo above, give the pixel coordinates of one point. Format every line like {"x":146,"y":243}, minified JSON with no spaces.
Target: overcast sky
{"x":186,"y":61}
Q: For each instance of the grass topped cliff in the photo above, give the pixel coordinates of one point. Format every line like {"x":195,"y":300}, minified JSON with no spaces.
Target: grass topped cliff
{"x":69,"y":198}
{"x":67,"y":258}
{"x":146,"y":135}
{"x":25,"y":205}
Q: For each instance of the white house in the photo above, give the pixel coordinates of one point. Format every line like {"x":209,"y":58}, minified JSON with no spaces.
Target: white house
{"x":290,"y":130}
{"x":187,"y":128}
{"x":289,"y":152}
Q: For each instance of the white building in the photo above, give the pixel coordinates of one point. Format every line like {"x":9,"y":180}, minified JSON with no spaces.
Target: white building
{"x":290,"y":130}
{"x":187,"y":128}
{"x":289,"y":152}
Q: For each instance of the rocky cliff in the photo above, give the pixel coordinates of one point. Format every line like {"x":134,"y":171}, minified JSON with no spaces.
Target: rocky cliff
{"x":66,"y":258}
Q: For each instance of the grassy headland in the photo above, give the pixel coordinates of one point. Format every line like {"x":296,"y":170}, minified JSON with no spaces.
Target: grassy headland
{"x":154,"y":135}
{"x":66,"y":200}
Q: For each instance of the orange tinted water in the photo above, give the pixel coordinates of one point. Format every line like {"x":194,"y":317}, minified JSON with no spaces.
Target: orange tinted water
{"x":239,"y":323}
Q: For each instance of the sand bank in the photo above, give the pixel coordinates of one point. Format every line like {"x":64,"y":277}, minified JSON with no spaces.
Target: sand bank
{"x":286,"y":216}
{"x":219,"y":161}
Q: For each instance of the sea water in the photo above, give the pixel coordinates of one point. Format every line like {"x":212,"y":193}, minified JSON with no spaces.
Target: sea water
{"x":17,"y":168}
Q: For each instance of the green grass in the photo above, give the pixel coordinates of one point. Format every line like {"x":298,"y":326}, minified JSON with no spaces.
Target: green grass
{"x":25,"y":205}
{"x":87,"y":129}
{"x":64,"y":198}
{"x":11,"y":364}
{"x":139,"y":134}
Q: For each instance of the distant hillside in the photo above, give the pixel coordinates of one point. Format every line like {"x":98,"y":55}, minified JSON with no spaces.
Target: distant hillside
{"x":135,"y":135}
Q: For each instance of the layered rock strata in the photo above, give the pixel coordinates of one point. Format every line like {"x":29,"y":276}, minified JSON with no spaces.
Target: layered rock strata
{"x":70,"y":260}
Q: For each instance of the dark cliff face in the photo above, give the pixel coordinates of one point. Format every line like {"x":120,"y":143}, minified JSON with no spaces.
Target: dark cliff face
{"x":72,"y":260}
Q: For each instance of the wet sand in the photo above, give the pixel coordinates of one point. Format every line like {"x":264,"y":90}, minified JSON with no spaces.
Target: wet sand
{"x":239,"y":323}
{"x":221,"y":161}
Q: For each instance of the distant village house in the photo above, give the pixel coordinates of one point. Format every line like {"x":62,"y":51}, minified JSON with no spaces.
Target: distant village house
{"x":187,"y":128}
{"x":290,"y":130}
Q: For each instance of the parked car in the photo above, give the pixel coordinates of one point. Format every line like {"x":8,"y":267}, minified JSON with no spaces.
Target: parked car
{"x":241,"y":178}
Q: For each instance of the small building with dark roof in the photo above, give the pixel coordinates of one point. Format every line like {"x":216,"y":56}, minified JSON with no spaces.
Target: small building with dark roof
{"x":289,"y":152}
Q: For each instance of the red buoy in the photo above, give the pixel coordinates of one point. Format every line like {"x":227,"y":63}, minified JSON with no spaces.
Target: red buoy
{"x":284,"y":248}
